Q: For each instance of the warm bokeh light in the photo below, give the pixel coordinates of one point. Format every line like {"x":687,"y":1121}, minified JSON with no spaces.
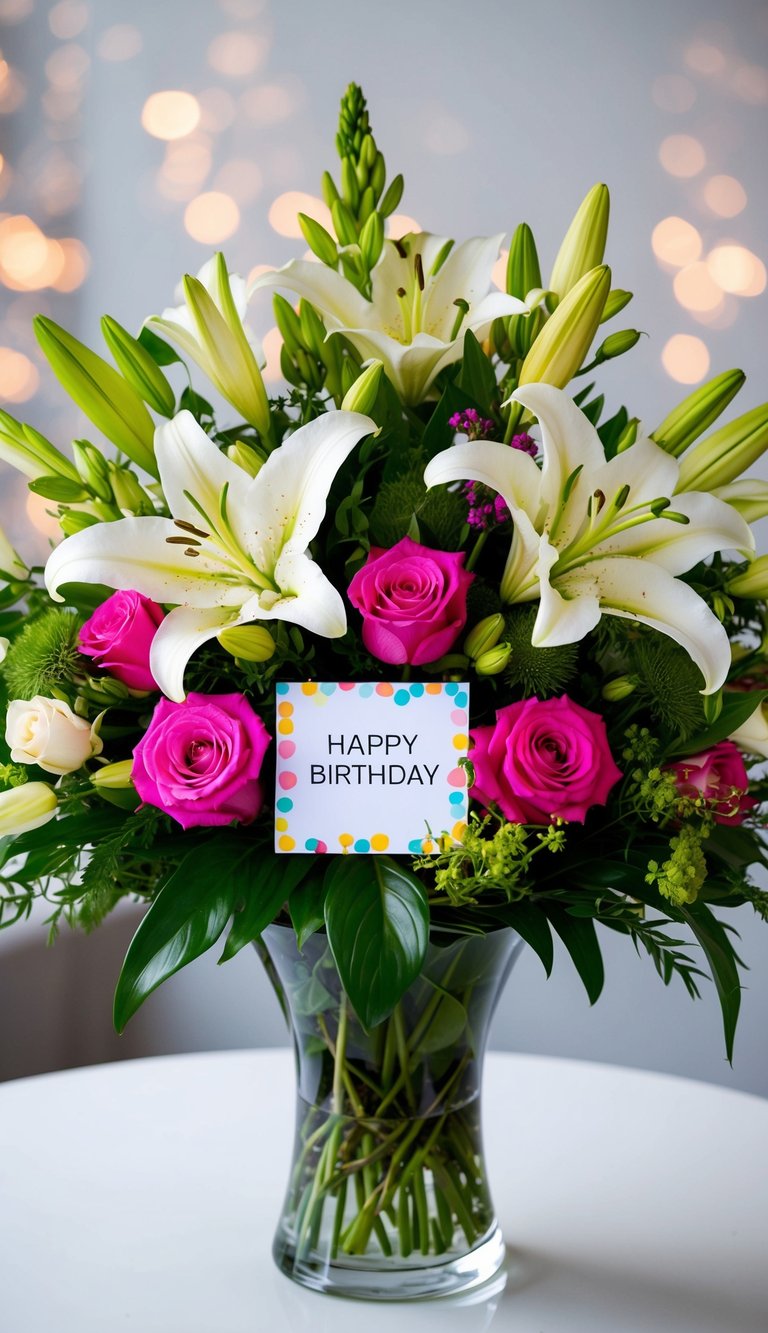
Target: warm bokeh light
{"x":186,"y":165}
{"x":750,"y":84}
{"x":28,"y":259}
{"x":241,"y":178}
{"x":59,"y":183}
{"x":67,"y":67}
{"x":704,"y":58}
{"x":673,"y":92}
{"x":237,"y":54}
{"x":212,"y":217}
{"x":696,"y":289}
{"x":736,"y":269}
{"x":676,"y":242}
{"x":75,"y":267}
{"x":42,"y":516}
{"x":171,"y":114}
{"x":444,"y":134}
{"x":399,"y":224}
{"x":67,"y":19}
{"x":499,"y":273}
{"x":283,"y":213}
{"x":725,"y":196}
{"x":18,"y":376}
{"x":15,"y":11}
{"x":722,"y":317}
{"x":13,"y":90}
{"x":269,"y":103}
{"x":685,"y":358}
{"x":682,"y":155}
{"x":120,"y":42}
{"x":271,"y":344}
{"x":257,"y":271}
{"x":217,"y":108}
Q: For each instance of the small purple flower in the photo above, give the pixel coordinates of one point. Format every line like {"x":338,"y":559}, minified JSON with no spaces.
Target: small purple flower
{"x":525,"y":443}
{"x":471,"y":424}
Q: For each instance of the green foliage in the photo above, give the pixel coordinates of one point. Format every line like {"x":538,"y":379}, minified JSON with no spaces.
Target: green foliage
{"x":669,"y":682}
{"x":45,"y":657}
{"x":542,"y":672}
{"x":440,"y":514}
{"x":684,"y":873}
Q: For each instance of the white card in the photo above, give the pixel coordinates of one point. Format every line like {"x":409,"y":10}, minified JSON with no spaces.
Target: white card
{"x":370,"y":768}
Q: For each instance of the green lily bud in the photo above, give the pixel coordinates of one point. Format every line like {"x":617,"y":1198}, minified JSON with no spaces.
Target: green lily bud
{"x":565,"y":339}
{"x":30,"y":452}
{"x":727,"y":453}
{"x":616,"y":344}
{"x":344,"y":223}
{"x":361,"y":395}
{"x":138,"y":367}
{"x":753,"y":582}
{"x":246,"y":457}
{"x":350,"y":190}
{"x":378,"y":176}
{"x":617,"y":299}
{"x":129,"y":495}
{"x":329,"y":191}
{"x":523,"y":271}
{"x":252,"y":643}
{"x":350,"y":372}
{"x":26,"y":807}
{"x":690,"y":418}
{"x":61,"y":490}
{"x":619,"y":688}
{"x":288,"y":323}
{"x":74,"y":520}
{"x":227,"y":356}
{"x":583,"y":246}
{"x":92,"y":467}
{"x":494,"y":660}
{"x":312,"y":328}
{"x":100,"y":392}
{"x":320,"y":241}
{"x":372,"y":240}
{"x":392,"y":197}
{"x":484,"y":635}
{"x":749,"y":497}
{"x":628,"y":435}
{"x":367,"y":205}
{"x":114,"y":777}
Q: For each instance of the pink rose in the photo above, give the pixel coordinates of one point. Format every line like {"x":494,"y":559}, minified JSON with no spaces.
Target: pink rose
{"x":720,"y":777}
{"x":413,"y":601}
{"x":543,"y":758}
{"x":200,"y":760}
{"x":119,"y":635}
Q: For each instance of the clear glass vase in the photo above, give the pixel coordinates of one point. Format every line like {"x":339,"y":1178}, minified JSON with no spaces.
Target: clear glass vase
{"x":388,"y":1196}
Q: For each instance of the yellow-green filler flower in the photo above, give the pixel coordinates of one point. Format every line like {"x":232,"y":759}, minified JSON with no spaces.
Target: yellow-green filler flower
{"x":593,"y":536}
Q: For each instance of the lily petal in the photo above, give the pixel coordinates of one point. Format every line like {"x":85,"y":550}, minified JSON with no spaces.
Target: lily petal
{"x":337,"y":299}
{"x":309,"y":598}
{"x":713,"y":526}
{"x":182,"y":632}
{"x":568,"y":442}
{"x":191,"y":464}
{"x":513,"y":474}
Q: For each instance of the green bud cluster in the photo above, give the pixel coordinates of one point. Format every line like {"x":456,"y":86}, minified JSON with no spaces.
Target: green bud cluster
{"x":685,"y":872}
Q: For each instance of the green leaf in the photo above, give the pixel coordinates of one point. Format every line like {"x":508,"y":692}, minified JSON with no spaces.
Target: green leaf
{"x":722,"y":958}
{"x":477,"y":376}
{"x":738,"y":706}
{"x":580,"y":939}
{"x":377,"y":918}
{"x":307,"y":909}
{"x":265,"y":883}
{"x":60,"y":489}
{"x":438,"y":434}
{"x":161,"y":352}
{"x":186,"y":918}
{"x":445,"y":1023}
{"x":531,"y":923}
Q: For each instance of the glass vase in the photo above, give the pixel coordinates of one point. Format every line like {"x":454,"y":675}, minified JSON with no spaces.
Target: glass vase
{"x":388,"y":1195}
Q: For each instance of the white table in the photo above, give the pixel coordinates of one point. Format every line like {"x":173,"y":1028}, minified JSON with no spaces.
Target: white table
{"x":143,"y":1196}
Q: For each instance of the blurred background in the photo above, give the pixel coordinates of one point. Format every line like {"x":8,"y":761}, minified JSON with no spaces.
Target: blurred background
{"x":135,"y":139}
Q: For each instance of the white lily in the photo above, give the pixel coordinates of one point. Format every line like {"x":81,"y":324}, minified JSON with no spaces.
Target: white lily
{"x":593,"y":536}
{"x":422,"y":303}
{"x":209,"y":326}
{"x":11,"y":564}
{"x":235,"y":549}
{"x":752,"y":735}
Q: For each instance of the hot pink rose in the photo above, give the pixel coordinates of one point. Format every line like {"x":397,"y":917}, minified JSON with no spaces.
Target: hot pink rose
{"x":543,"y":758}
{"x":718,"y":775}
{"x":413,"y":601}
{"x":119,"y":635}
{"x":200,"y":760}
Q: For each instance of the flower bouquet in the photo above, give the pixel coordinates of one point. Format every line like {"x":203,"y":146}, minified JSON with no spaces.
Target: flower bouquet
{"x":436,"y":513}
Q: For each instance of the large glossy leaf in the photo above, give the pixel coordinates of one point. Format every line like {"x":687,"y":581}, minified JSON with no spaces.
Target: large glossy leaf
{"x":377,"y":918}
{"x":532,"y":924}
{"x":186,"y":918}
{"x":307,"y":908}
{"x":738,"y":707}
{"x":265,"y":884}
{"x":477,"y":376}
{"x":719,"y":952}
{"x":580,"y":939}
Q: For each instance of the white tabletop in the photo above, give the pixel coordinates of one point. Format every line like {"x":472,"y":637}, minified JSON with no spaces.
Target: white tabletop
{"x":143,"y":1196}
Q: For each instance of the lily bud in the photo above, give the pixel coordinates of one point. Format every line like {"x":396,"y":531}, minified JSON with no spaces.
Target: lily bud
{"x":749,"y":497}
{"x":494,"y":661}
{"x":100,"y":392}
{"x":753,"y":582}
{"x":372,"y":240}
{"x":393,"y":195}
{"x":74,"y":520}
{"x":361,"y":396}
{"x":320,"y":241}
{"x":288,"y":323}
{"x":565,"y":339}
{"x":138,"y":367}
{"x":129,"y":495}
{"x":246,"y":457}
{"x":25,"y":808}
{"x":92,"y":467}
{"x":523,"y":271}
{"x":252,"y":643}
{"x":29,"y":451}
{"x":225,"y":353}
{"x":114,"y":777}
{"x":484,"y":635}
{"x":312,"y":329}
{"x":727,"y":453}
{"x":619,"y":688}
{"x":584,"y":244}
{"x":617,"y":299}
{"x":690,"y":418}
{"x":616,"y":344}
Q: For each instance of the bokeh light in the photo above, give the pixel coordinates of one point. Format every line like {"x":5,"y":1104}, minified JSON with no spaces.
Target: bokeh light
{"x":42,"y":517}
{"x":18,"y":376}
{"x":269,"y":103}
{"x":237,"y":54}
{"x":704,"y":58}
{"x":750,"y":84}
{"x":283,"y":213}
{"x":217,"y":110}
{"x":29,"y":261}
{"x":676,"y":242}
{"x":696,"y":289}
{"x":13,"y":90}
{"x":725,"y":196}
{"x":171,"y":114}
{"x":67,"y":19}
{"x":499,"y":272}
{"x":67,"y":66}
{"x":120,"y":42}
{"x":76,"y":264}
{"x":444,"y":134}
{"x":271,"y":344}
{"x":685,"y":358}
{"x":241,"y":178}
{"x":15,"y":11}
{"x":736,"y":269}
{"x":682,"y":155}
{"x":212,"y":217}
{"x":186,"y":165}
{"x":673,"y":92}
{"x":399,"y":224}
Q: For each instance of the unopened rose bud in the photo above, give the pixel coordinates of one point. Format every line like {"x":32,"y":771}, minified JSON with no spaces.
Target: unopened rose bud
{"x":48,"y":733}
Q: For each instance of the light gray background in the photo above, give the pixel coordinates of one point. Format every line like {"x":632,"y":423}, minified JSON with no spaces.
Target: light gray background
{"x":495,"y":111}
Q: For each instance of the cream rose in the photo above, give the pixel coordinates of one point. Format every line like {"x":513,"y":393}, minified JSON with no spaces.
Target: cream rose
{"x":46,"y":732}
